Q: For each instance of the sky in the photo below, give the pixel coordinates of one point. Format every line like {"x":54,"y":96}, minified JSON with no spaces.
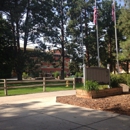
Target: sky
{"x":120,"y":2}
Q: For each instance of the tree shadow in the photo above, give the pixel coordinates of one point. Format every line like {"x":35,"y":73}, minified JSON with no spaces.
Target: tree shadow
{"x":42,"y":114}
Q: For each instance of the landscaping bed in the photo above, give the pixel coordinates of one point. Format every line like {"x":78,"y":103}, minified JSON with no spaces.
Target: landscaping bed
{"x":99,"y":93}
{"x":117,"y":104}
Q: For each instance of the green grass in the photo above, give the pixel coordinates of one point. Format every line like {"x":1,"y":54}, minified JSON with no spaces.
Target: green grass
{"x":37,"y":89}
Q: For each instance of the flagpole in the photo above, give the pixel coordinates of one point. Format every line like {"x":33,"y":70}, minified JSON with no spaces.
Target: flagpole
{"x":117,"y":61}
{"x":97,"y":36}
{"x":84,"y":66}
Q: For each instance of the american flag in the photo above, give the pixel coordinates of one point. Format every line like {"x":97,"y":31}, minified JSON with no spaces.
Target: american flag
{"x":113,"y":12}
{"x":95,"y":16}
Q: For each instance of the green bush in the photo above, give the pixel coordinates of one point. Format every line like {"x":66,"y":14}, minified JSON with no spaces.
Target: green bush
{"x":128,"y":80}
{"x":116,"y":79}
{"x":78,"y":74}
{"x":24,"y":75}
{"x":56,"y":74}
{"x":91,"y":85}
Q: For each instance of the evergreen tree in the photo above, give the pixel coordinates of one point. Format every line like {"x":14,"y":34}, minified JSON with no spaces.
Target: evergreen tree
{"x":127,"y":3}
{"x":123,"y":26}
{"x":123,"y":22}
{"x":108,"y":45}
{"x":80,"y":15}
{"x":57,"y":30}
{"x":5,"y":48}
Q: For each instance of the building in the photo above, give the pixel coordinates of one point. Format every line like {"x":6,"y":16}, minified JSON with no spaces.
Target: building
{"x":45,"y":68}
{"x":48,"y":68}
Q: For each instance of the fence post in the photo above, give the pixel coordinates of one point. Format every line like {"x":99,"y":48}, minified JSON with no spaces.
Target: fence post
{"x":67,"y":83}
{"x":44,"y":84}
{"x":5,"y":87}
{"x":73,"y":83}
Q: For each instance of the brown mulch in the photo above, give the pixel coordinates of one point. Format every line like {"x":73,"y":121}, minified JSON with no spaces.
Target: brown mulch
{"x":117,"y":104}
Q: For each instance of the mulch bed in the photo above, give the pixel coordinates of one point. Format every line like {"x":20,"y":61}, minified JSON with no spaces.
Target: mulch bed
{"x":118,"y":104}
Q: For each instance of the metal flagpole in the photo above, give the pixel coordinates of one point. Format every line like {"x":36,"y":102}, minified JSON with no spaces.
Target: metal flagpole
{"x":96,"y":22}
{"x":116,"y":36}
{"x":84,"y":66}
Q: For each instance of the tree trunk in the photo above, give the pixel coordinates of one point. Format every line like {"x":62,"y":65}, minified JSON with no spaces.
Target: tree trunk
{"x":19,"y":75}
{"x":19,"y":63}
{"x":62,"y":43}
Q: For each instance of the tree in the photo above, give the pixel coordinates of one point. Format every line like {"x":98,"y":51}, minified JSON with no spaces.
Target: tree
{"x":26,"y":18}
{"x":123,"y":26}
{"x":127,"y":3}
{"x":108,"y":46}
{"x":5,"y":48}
{"x":57,"y":30}
{"x":123,"y":22}
{"x":80,"y":15}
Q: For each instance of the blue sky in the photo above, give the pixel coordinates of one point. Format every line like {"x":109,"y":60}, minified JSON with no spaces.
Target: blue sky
{"x":120,"y":2}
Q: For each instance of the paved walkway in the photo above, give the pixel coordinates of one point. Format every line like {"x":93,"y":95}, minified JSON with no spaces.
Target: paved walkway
{"x":41,"y":112}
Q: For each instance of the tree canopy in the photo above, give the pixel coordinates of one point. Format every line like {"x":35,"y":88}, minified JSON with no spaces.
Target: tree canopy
{"x":6,"y":54}
{"x":67,"y":25}
{"x":124,"y":25}
{"x":26,"y":18}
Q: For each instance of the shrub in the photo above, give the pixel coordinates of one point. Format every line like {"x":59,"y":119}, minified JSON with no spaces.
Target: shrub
{"x":56,"y":74}
{"x":91,"y":85}
{"x":122,"y":78}
{"x":24,"y":75}
{"x":128,"y":79}
{"x":115,"y":79}
{"x":78,"y":74}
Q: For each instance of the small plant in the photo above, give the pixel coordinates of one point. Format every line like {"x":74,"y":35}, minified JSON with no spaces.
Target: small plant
{"x":78,"y":74}
{"x":56,"y":74}
{"x":24,"y":75}
{"x":91,"y":85}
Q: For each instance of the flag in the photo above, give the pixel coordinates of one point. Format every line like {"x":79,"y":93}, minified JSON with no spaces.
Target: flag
{"x":113,"y":12}
{"x":95,"y":16}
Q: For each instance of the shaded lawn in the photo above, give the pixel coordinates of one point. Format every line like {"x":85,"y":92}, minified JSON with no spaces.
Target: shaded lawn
{"x":37,"y":89}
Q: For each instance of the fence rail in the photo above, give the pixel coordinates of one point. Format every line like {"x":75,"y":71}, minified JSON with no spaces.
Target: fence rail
{"x":44,"y":82}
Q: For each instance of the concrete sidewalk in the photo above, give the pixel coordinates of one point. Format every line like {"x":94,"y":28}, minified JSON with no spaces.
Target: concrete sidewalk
{"x":41,"y":112}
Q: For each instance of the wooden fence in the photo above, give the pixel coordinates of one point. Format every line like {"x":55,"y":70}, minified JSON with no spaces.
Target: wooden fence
{"x":45,"y":82}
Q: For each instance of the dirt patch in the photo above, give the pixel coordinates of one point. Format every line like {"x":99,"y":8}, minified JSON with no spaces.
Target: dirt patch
{"x":117,"y":104}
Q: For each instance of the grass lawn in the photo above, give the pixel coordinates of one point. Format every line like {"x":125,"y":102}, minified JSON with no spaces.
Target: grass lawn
{"x":37,"y":89}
